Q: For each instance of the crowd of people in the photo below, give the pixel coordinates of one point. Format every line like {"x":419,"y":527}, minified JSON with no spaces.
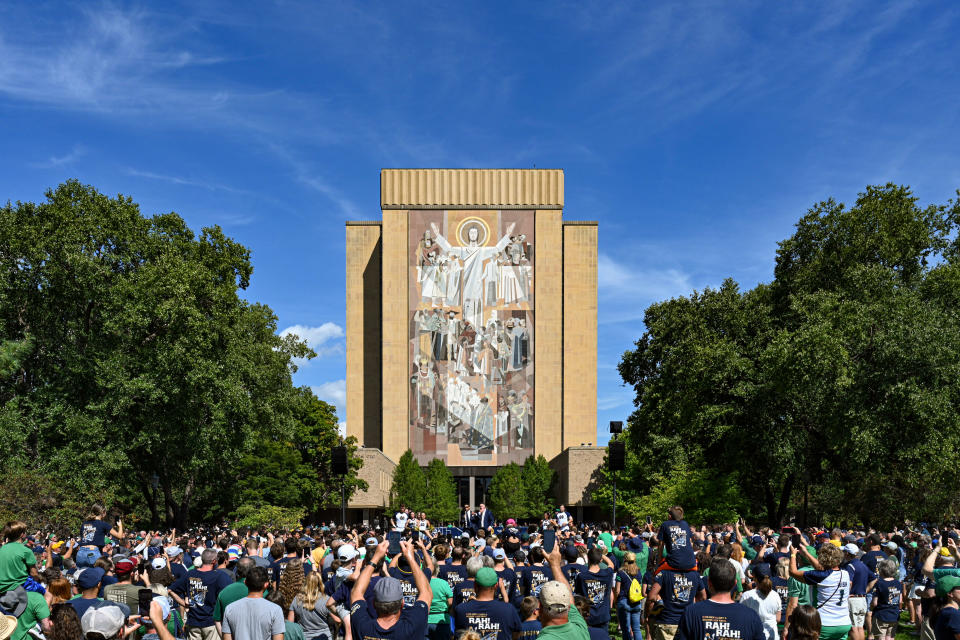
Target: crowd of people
{"x":557,"y":579}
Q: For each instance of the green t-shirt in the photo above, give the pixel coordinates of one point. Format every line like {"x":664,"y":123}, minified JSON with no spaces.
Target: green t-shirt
{"x":799,"y":589}
{"x":945,"y":571}
{"x":439,"y":610}
{"x":15,"y":562}
{"x":229,"y":595}
{"x":574,"y":629}
{"x":37,"y":610}
{"x":607,"y":539}
{"x":293,"y":631}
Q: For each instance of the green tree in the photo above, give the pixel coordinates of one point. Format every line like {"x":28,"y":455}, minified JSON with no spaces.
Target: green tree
{"x":409,"y":486}
{"x":508,"y":497}
{"x":830,"y":392}
{"x":441,"y":495}
{"x":538,"y":480}
{"x":143,"y":357}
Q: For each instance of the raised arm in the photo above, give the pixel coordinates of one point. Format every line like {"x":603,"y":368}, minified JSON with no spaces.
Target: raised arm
{"x":419,"y":577}
{"x":930,"y":561}
{"x":360,"y":586}
{"x":439,"y":238}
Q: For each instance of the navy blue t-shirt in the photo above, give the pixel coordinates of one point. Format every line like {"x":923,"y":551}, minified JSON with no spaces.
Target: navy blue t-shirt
{"x":509,"y":579}
{"x":596,"y":587}
{"x":534,"y":577}
{"x":678,"y":589}
{"x":491,"y":619}
{"x":870,"y":558}
{"x":860,"y":577}
{"x":412,"y":624}
{"x":782,"y":587}
{"x":407,"y":584}
{"x":178,"y":570}
{"x":709,"y":619}
{"x":886,"y":600}
{"x":280,"y":565}
{"x":947,"y":625}
{"x":463,"y":592}
{"x":571,"y":570}
{"x":678,"y":544}
{"x":454,"y":574}
{"x":530,"y":629}
{"x":93,"y":532}
{"x":200,"y":589}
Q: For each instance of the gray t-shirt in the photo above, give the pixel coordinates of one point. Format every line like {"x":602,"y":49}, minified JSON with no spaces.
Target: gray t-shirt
{"x":253,"y":619}
{"x":314,"y":622}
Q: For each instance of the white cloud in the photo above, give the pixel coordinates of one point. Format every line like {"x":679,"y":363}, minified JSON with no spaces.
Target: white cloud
{"x":317,"y":338}
{"x":342,"y":429}
{"x":58,"y":161}
{"x":333,"y":392}
{"x":179,"y":180}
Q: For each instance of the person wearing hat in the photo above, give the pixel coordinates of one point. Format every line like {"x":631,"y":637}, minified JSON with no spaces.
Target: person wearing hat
{"x":484,"y":614}
{"x":393,"y":620}
{"x":861,"y":583}
{"x":123,"y":590}
{"x":946,"y":625}
{"x":559,"y":619}
{"x":175,"y":557}
{"x":508,"y":577}
{"x":401,"y":570}
{"x":37,"y":611}
{"x":88,"y":583}
{"x":719,"y":614}
{"x":107,"y":622}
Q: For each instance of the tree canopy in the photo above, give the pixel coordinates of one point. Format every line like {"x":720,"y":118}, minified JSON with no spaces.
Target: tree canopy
{"x":831,"y":391}
{"x":127,"y":351}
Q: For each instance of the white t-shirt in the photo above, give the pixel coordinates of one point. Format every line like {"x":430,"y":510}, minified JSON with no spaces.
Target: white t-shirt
{"x":401,"y":519}
{"x":563,"y":521}
{"x":833,"y":592}
{"x":767,"y":608}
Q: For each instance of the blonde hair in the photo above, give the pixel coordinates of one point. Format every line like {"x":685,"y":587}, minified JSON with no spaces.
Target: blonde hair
{"x":783,"y":568}
{"x":630,"y":564}
{"x":312,"y":590}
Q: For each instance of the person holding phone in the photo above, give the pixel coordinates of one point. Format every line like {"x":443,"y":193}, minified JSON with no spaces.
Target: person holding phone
{"x":393,"y":621}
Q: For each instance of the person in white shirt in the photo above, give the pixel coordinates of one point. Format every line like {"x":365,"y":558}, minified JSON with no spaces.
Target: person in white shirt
{"x":764,"y":600}
{"x":400,"y":519}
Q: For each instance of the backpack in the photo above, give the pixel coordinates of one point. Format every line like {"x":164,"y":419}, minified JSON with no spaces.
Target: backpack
{"x":635,"y":595}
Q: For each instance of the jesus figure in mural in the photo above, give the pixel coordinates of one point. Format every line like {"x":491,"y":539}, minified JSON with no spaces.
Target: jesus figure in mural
{"x":473,"y":256}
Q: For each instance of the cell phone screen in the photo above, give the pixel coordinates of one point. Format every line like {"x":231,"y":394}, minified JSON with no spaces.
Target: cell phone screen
{"x":144,"y":598}
{"x":549,"y":540}
{"x":414,"y":535}
{"x":796,"y":540}
{"x":393,"y":537}
{"x":649,"y":520}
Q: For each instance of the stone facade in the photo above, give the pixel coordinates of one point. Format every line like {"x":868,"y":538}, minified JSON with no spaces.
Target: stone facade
{"x":564,"y":349}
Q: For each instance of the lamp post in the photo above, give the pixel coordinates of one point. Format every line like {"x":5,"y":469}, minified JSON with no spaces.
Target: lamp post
{"x":155,"y":482}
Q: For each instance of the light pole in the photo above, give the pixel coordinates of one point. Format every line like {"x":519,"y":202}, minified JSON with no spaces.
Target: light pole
{"x":615,"y":456}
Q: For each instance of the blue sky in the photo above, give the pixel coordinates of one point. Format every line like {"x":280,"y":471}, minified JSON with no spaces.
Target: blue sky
{"x":696,"y":133}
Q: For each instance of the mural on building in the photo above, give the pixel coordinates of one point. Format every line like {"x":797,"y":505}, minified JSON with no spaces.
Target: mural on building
{"x":471,"y":336}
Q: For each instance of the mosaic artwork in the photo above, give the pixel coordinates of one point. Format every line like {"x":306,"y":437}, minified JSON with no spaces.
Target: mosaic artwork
{"x":471,"y":336}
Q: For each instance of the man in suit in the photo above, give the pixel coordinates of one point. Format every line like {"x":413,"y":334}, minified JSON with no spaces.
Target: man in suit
{"x":484,"y":518}
{"x":467,"y":518}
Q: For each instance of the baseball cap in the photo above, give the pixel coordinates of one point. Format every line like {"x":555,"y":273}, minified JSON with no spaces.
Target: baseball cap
{"x":946,"y":584}
{"x":851,"y":548}
{"x":158,"y":563}
{"x":372,"y":541}
{"x":39,"y":549}
{"x":555,"y":597}
{"x":479,"y":543}
{"x":511,"y":521}
{"x":486,"y":577}
{"x":106,"y":621}
{"x":761,"y":569}
{"x":123,"y":567}
{"x":233,"y":554}
{"x":173,"y":551}
{"x":90,"y":578}
{"x":891,"y":545}
{"x":499,"y":554}
{"x":387,"y":590}
{"x":756,"y":540}
{"x":464,"y":535}
{"x":347,"y":552}
{"x":164,"y":605}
